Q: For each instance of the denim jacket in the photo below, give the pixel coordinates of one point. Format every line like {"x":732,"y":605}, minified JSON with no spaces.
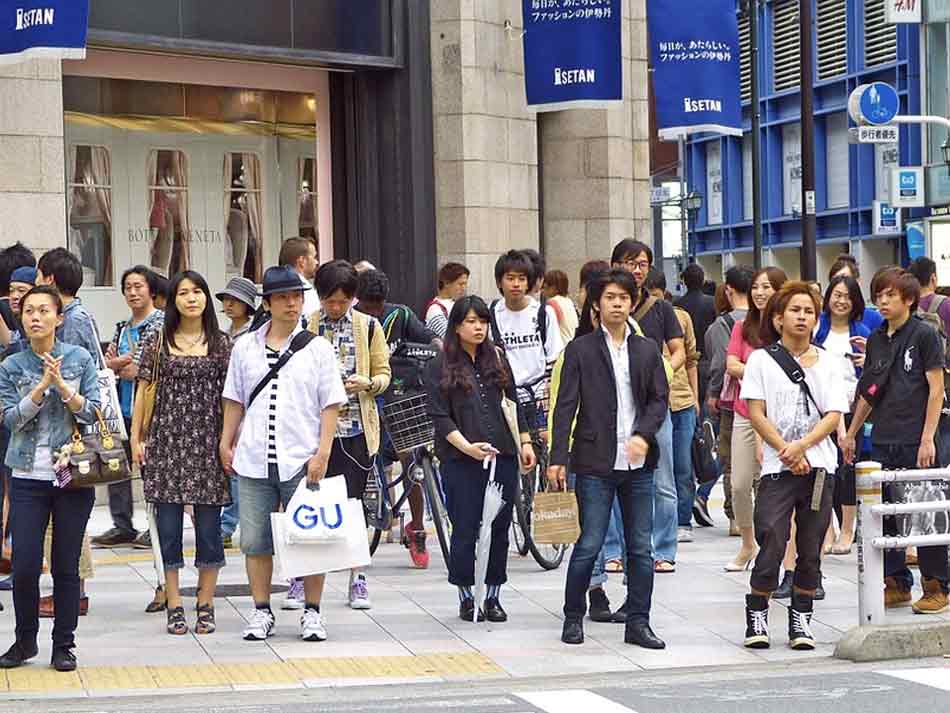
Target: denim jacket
{"x":21,"y":372}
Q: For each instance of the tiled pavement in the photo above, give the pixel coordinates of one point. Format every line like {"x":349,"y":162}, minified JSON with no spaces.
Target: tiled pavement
{"x":413,"y":631}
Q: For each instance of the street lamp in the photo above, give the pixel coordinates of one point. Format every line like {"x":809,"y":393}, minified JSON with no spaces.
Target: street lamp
{"x":945,"y":149}
{"x":694,"y":200}
{"x":688,"y":205}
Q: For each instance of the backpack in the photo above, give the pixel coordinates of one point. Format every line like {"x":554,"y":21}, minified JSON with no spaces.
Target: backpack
{"x":931,"y":317}
{"x":542,"y":324}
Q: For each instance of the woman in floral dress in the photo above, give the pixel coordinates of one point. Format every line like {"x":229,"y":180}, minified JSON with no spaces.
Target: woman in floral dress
{"x":179,"y":453}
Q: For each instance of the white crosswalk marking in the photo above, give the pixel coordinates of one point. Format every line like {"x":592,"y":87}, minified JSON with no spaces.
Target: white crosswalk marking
{"x":933,"y":677}
{"x":572,"y":702}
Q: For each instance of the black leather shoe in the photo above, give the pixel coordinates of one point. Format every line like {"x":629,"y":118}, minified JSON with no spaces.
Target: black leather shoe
{"x":494,"y":612}
{"x":573,"y":632}
{"x":63,"y":659}
{"x":467,"y":610}
{"x":18,"y":654}
{"x":620,"y":616}
{"x":599,"y":609}
{"x":642,"y":635}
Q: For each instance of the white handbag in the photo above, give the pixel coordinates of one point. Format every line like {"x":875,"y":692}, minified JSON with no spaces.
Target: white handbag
{"x":317,"y":513}
{"x":109,"y":403}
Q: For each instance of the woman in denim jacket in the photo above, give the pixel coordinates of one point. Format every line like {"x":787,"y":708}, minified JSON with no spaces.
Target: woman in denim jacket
{"x":45,"y":390}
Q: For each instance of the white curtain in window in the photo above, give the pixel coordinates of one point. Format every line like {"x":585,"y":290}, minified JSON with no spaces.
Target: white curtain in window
{"x":101,"y":167}
{"x":180,"y":174}
{"x":252,"y":182}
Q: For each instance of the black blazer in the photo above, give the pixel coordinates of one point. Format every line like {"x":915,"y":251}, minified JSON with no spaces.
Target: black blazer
{"x":588,"y":389}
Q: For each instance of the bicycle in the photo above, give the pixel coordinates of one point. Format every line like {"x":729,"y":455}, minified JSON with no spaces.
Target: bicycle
{"x":535,"y":409}
{"x":410,"y":429}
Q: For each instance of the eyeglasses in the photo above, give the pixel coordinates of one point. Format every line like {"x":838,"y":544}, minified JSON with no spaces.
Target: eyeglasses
{"x":635,"y":264}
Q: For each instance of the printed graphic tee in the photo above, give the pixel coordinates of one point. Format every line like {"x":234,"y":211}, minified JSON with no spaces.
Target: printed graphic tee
{"x":529,"y":358}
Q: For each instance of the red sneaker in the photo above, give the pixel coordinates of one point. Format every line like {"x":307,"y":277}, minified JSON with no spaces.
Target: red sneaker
{"x":416,"y":542}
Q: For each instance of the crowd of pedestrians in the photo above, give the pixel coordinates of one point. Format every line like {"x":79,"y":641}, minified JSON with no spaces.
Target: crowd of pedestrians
{"x":224,"y":423}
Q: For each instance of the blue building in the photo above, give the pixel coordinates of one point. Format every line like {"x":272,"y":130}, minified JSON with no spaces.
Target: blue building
{"x":853,"y":45}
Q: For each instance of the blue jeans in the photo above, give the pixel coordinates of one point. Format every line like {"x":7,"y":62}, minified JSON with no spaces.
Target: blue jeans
{"x":684,"y":426}
{"x":262,"y":496}
{"x":595,"y":498}
{"x":664,"y":497}
{"x":231,"y":514}
{"x":169,"y":518}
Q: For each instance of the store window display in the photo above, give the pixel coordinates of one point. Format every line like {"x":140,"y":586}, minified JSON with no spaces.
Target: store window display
{"x":167,"y":173}
{"x":243,"y":216}
{"x":90,"y":212}
{"x":307,"y":199}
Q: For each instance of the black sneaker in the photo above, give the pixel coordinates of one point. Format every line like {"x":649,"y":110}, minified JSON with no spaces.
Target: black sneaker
{"x":756,"y":622}
{"x":143,"y":541}
{"x":784,"y":590}
{"x":63,"y":659}
{"x":114,"y":538}
{"x":820,"y":591}
{"x":599,"y":609}
{"x":701,"y":512}
{"x":800,"y":637}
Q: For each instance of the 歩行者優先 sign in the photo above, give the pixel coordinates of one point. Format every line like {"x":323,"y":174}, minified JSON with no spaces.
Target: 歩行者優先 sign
{"x":903,"y":11}
{"x":907,"y":187}
{"x":877,"y":104}
{"x":695,"y":61}
{"x":52,"y":29}
{"x":878,"y":134}
{"x":572,"y":53}
{"x":885,"y":220}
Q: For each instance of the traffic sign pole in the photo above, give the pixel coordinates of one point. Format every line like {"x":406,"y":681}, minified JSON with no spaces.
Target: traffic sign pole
{"x":809,"y":258}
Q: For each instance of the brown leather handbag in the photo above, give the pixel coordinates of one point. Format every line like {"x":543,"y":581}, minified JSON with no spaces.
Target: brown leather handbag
{"x":96,"y":458}
{"x":150,"y":395}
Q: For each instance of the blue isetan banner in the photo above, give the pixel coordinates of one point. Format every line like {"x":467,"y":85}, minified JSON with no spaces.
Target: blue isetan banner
{"x":572,"y":53}
{"x":54,"y":29}
{"x":694,"y":52}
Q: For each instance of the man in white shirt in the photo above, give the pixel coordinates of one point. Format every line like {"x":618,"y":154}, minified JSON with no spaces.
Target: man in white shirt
{"x":531,"y":337}
{"x":300,"y":255}
{"x":280,"y":425}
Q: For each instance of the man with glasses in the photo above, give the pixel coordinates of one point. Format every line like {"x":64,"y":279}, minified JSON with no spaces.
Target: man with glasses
{"x":658,"y":322}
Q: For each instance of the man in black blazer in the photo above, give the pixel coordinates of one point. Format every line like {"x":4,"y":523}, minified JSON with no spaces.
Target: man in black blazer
{"x":614,"y":396}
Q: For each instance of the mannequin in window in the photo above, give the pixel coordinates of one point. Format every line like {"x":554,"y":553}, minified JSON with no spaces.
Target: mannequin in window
{"x":167,"y":246}
{"x":239,"y":230}
{"x":88,"y":235}
{"x":307,"y":217}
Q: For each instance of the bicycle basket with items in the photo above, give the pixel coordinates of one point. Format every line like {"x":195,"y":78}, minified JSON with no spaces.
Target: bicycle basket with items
{"x":404,"y":403}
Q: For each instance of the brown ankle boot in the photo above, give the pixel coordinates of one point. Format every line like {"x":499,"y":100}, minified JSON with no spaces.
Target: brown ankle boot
{"x":894,"y":596}
{"x":934,"y":600}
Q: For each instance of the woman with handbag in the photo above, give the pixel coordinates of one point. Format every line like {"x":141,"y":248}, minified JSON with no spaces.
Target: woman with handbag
{"x":181,"y":379}
{"x":467,"y":385}
{"x":746,"y":445}
{"x":46,"y":390}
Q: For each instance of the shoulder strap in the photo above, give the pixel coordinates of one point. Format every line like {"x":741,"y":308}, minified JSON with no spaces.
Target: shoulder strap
{"x":299,"y":342}
{"x":390,"y":322}
{"x":438,"y":304}
{"x":793,"y":371}
{"x":644,"y":308}
{"x":493,"y":324}
{"x":372,"y":330}
{"x":729,"y":320}
{"x":543,"y":324}
{"x":935,"y":304}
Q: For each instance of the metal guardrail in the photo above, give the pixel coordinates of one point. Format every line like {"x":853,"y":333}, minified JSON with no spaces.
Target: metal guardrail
{"x":871,"y":540}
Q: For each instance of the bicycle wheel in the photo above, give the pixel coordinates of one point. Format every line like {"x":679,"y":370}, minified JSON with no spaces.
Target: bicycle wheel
{"x":440,"y":517}
{"x":548,"y":556}
{"x":519,"y":536}
{"x":376,"y":507}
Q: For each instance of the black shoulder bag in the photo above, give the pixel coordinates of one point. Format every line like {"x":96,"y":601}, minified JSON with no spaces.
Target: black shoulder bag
{"x":299,"y":342}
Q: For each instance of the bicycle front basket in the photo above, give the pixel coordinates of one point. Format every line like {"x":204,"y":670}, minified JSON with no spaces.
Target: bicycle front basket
{"x":407,"y":422}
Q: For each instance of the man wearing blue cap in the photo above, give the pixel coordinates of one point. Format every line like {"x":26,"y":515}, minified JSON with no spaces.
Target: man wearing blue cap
{"x":277,"y":396}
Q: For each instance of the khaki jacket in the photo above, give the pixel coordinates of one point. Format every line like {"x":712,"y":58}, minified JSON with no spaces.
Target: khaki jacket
{"x":681,"y":394}
{"x":372,"y":361}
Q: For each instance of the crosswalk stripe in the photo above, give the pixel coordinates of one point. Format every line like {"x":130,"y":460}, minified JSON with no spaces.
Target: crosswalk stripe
{"x":933,"y":677}
{"x":572,"y":702}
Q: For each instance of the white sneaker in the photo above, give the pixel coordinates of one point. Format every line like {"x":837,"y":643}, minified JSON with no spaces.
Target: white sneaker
{"x":259,"y":626}
{"x":295,"y":597}
{"x":359,"y":593}
{"x":312,"y":627}
{"x":684,"y":534}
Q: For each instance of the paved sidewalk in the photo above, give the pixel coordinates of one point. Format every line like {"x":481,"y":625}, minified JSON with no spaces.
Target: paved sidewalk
{"x":412,"y":633}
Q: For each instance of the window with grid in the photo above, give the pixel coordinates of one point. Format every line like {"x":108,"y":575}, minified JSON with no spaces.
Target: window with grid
{"x":832,"y":43}
{"x":880,"y":38}
{"x":786,"y":59}
{"x":745,"y":58}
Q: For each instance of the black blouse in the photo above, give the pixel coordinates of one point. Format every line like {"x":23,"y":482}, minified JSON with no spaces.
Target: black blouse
{"x":477,"y":414}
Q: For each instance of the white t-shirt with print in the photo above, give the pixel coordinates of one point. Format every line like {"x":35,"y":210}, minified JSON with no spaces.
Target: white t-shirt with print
{"x":519,"y":334}
{"x":839,"y":344}
{"x":785,"y":404}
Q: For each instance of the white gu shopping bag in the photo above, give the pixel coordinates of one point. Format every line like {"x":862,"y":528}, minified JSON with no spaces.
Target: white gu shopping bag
{"x":302,"y":559}
{"x":317,"y":513}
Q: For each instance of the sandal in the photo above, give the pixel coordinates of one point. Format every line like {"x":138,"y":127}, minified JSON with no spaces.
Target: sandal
{"x":664,"y":567}
{"x":158,"y":603}
{"x":614,"y":566}
{"x":177,"y":626}
{"x":205,"y":623}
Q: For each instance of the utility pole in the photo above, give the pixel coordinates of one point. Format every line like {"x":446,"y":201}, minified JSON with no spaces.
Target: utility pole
{"x":809,"y":260}
{"x":753,"y":10}
{"x":684,"y":222}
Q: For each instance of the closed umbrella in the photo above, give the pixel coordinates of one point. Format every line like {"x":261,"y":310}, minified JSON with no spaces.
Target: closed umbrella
{"x":493,"y":505}
{"x":156,"y":544}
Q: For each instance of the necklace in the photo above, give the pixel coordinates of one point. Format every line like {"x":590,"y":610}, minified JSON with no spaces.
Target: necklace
{"x":800,"y":354}
{"x":191,"y":343}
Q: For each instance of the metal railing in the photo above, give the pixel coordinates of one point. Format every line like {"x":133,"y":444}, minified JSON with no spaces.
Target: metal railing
{"x":871,"y":539}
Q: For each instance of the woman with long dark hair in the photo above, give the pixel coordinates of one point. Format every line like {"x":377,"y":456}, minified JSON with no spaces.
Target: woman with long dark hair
{"x":841,"y":331}
{"x":182,"y":465}
{"x":746,"y":445}
{"x":46,"y":390}
{"x":466,"y":384}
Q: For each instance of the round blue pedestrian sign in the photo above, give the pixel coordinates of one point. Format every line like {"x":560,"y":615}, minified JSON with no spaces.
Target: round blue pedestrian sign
{"x":879,"y":103}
